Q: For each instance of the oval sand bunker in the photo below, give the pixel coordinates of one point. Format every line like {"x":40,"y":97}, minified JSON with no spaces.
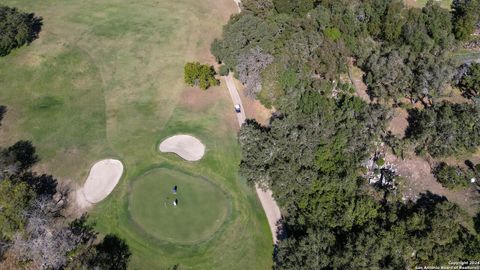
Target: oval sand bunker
{"x":102,"y":179}
{"x":186,"y":146}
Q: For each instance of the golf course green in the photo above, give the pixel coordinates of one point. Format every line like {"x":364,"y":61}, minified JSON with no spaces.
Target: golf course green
{"x":105,"y":80}
{"x":200,"y":211}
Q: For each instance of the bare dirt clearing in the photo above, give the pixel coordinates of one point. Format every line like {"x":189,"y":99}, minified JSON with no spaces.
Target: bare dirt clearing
{"x":356,"y":77}
{"x":186,"y":146}
{"x":418,"y":178}
{"x":399,"y":122}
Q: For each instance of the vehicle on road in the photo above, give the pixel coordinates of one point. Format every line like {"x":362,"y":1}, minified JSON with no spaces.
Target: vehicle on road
{"x":237,"y":108}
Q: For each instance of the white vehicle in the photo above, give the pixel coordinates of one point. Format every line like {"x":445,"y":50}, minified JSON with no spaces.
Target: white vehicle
{"x":237,"y":108}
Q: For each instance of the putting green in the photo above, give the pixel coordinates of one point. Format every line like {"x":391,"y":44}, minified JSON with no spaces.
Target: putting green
{"x":201,"y":210}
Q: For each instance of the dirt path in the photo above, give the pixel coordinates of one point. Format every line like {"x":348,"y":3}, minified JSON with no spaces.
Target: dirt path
{"x":272,"y":211}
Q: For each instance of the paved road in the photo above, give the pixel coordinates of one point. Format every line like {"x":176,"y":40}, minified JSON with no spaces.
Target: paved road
{"x":272,"y":211}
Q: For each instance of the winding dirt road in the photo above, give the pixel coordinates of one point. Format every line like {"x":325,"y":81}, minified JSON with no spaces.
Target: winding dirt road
{"x":272,"y":211}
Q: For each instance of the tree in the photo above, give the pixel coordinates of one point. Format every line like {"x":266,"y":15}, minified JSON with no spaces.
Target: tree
{"x":445,"y":128}
{"x":388,"y":76}
{"x":14,"y":202}
{"x":452,"y":177}
{"x":17,"y":29}
{"x":199,"y":75}
{"x":249,"y":68}
{"x":465,"y":16}
{"x":470,"y":82}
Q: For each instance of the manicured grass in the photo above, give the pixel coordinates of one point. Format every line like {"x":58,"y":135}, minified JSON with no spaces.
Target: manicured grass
{"x":105,"y":79}
{"x":201,"y":209}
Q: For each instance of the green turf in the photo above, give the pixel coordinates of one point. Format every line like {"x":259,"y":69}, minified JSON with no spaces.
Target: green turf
{"x":201,"y":209}
{"x":105,"y":79}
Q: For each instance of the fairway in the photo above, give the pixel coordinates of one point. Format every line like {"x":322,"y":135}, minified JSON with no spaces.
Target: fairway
{"x":105,"y":80}
{"x":201,"y":209}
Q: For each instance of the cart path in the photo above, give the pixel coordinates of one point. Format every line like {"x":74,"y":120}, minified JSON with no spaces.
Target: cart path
{"x":272,"y":211}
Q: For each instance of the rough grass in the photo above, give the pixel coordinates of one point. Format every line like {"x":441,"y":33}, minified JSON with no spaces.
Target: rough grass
{"x":105,"y":80}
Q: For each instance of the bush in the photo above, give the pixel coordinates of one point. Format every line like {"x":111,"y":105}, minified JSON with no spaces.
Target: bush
{"x":17,"y":29}
{"x":470,"y":82}
{"x":224,"y":70}
{"x":452,"y":177}
{"x":380,"y":162}
{"x":199,"y":75}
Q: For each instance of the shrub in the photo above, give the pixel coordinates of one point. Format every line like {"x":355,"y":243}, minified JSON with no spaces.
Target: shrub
{"x":224,"y":70}
{"x":470,"y":82}
{"x":380,"y":162}
{"x":203,"y":76}
{"x":332,"y":33}
{"x":452,"y":177}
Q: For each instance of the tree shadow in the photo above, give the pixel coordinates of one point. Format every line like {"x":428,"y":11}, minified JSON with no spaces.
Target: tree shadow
{"x":3,"y":110}
{"x":413,"y":123}
{"x":429,"y":201}
{"x":35,"y":26}
{"x":43,"y":184}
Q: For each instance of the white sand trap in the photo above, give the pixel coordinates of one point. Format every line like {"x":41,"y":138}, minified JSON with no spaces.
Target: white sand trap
{"x":102,"y":179}
{"x":186,"y":146}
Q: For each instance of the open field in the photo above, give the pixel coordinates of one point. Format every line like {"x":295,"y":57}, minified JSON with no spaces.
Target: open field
{"x":105,"y":80}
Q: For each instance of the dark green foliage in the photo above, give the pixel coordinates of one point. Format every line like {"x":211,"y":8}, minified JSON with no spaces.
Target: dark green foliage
{"x":17,"y":29}
{"x":223,"y":71}
{"x":452,"y":177}
{"x":470,"y":82}
{"x":476,"y":222}
{"x":465,"y":16}
{"x":445,"y":129}
{"x":388,"y":76}
{"x":261,"y":8}
{"x":297,"y":7}
{"x":311,"y":153}
{"x":199,"y":75}
{"x":242,"y":34}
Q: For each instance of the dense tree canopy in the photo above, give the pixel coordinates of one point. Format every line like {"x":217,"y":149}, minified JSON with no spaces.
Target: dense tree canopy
{"x":465,"y":17}
{"x":311,"y":153}
{"x":17,"y":29}
{"x":445,"y":129}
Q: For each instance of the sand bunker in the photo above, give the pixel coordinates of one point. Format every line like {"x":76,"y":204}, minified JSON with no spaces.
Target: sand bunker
{"x":186,"y":146}
{"x":102,"y":179}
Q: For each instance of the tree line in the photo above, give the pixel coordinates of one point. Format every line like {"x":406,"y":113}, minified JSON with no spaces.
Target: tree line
{"x":292,"y":55}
